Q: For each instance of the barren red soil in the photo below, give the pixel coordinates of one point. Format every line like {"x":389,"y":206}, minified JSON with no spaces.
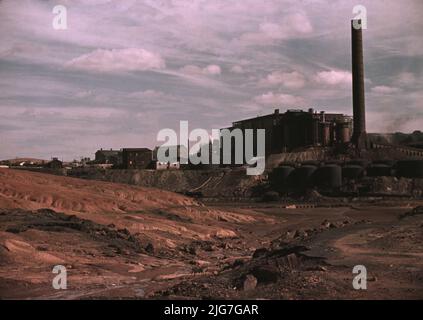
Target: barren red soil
{"x":121,"y":241}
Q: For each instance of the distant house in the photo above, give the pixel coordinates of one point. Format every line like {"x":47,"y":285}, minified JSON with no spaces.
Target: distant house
{"x":136,"y":158}
{"x":165,"y":165}
{"x":108,"y":157}
{"x":55,"y":163}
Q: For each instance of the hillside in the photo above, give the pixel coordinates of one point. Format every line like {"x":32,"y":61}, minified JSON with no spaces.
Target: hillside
{"x":123,"y":241}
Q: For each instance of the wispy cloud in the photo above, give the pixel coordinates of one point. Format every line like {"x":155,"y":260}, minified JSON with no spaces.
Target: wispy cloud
{"x":290,"y":80}
{"x":117,"y":60}
{"x":279,"y":99}
{"x":334,"y":77}
{"x":385,"y":90}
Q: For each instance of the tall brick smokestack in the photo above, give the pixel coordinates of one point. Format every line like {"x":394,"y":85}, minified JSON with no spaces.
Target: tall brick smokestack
{"x":359,"y":131}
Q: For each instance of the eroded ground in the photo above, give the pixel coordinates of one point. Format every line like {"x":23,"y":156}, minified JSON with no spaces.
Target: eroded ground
{"x":120,"y":241}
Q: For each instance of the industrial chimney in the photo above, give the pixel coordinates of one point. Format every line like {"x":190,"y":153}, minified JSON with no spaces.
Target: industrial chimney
{"x":359,"y":130}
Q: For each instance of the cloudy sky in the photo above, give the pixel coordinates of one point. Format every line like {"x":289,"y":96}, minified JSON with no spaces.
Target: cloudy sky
{"x":124,"y":69}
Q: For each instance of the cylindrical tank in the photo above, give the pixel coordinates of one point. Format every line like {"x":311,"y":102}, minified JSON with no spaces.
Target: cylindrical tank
{"x":325,"y":134}
{"x":337,"y":162}
{"x":358,"y":162}
{"x":311,"y":163}
{"x":315,"y":131}
{"x":390,"y":163}
{"x":410,"y":168}
{"x":279,"y":176}
{"x":328,"y":176}
{"x":379,"y":170}
{"x":352,"y":171}
{"x":342,"y":132}
{"x":288,"y":164}
{"x":302,"y":177}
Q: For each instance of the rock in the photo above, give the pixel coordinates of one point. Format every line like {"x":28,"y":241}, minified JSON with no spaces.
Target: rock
{"x":266,"y":274}
{"x":289,"y":234}
{"x":271,"y":196}
{"x":226,"y":246}
{"x":259,"y":252}
{"x":191,"y":250}
{"x":125,"y":252}
{"x":326,"y":224}
{"x":237,"y":262}
{"x":16,"y":229}
{"x":300,"y":233}
{"x":149,"y":248}
{"x":208,"y":247}
{"x":222,"y":234}
{"x":250,"y":282}
{"x":201,"y":263}
{"x":197,"y":269}
{"x":124,"y":231}
{"x":205,"y":286}
{"x":415,"y":211}
{"x":292,"y":261}
{"x":313,"y":195}
{"x":317,"y":268}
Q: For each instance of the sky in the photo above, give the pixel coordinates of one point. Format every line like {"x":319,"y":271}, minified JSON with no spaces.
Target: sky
{"x":125,"y":69}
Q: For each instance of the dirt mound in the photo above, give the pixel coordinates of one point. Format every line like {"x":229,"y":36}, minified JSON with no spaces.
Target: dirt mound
{"x":414,"y":212}
{"x":207,"y":183}
{"x":32,"y":190}
{"x":164,"y":217}
{"x":119,"y":240}
{"x":261,"y":275}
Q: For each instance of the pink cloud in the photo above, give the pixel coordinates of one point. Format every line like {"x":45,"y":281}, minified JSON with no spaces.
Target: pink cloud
{"x":334,"y":77}
{"x":291,"y":80}
{"x":146,"y":94}
{"x":211,"y":69}
{"x":406,"y":79}
{"x":385,"y":90}
{"x":278,"y":99}
{"x":237,"y":69}
{"x":118,"y":60}
{"x":290,"y":27}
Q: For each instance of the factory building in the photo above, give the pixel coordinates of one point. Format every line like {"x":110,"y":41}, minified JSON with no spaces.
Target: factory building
{"x":55,"y":163}
{"x":108,"y":157}
{"x":136,"y":158}
{"x":294,"y":129}
{"x":285,"y":132}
